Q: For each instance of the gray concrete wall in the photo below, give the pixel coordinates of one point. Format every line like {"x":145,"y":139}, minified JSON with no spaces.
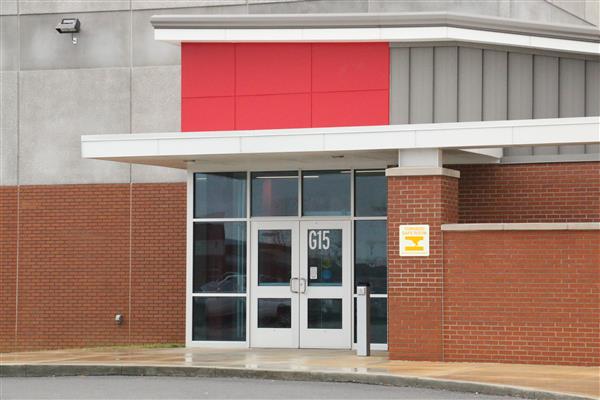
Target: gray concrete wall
{"x":119,"y":79}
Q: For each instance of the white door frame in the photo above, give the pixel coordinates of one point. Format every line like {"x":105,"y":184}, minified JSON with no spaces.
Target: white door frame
{"x":326,"y":338}
{"x":274,"y":337}
{"x":299,"y":291}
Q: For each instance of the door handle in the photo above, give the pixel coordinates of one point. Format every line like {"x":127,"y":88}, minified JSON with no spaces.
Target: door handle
{"x":292,"y":285}
{"x":302,"y":286}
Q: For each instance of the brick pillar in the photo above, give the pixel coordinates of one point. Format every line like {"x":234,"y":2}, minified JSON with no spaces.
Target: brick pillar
{"x":415,"y":283}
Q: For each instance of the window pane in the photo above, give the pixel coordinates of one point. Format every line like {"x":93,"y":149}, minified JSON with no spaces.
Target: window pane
{"x":324,"y":257}
{"x":378,"y":320}
{"x":274,"y":257}
{"x":274,"y":194}
{"x":220,"y":195}
{"x":220,"y":257}
{"x":324,"y":314}
{"x":370,"y":188}
{"x":326,"y":193}
{"x":219,"y":318}
{"x":274,"y":313}
{"x":370,"y":254}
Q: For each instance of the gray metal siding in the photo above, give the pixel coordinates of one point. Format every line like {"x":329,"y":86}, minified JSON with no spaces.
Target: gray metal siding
{"x":470,"y":82}
{"x":495,"y":85}
{"x":592,"y":96}
{"x":449,"y":83}
{"x":520,"y":95}
{"x":421,"y":85}
{"x":445,"y":91}
{"x":571,"y":96}
{"x":545,"y":94}
{"x":399,"y":86}
{"x":592,"y":84}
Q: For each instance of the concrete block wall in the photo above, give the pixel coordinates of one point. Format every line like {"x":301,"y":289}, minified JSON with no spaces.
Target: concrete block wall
{"x":119,"y":79}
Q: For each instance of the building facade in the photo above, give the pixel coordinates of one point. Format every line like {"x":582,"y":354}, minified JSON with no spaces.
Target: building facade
{"x":450,"y":161}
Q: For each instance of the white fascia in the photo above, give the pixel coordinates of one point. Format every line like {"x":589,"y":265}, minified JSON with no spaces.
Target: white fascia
{"x":377,"y":34}
{"x":155,"y":148}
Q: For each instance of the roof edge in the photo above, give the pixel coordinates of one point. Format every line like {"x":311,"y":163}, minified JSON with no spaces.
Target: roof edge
{"x":366,"y":20}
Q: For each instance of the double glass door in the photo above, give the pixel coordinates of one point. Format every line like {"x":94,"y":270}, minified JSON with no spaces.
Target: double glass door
{"x":301,"y":289}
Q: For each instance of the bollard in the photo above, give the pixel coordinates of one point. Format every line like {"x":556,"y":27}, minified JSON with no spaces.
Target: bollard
{"x":363,"y":320}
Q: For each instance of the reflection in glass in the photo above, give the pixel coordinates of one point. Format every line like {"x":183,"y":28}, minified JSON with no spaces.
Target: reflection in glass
{"x":324,"y":314}
{"x":324,"y":257}
{"x":274,"y":313}
{"x":274,"y":257}
{"x":220,"y":195}
{"x":274,"y":194}
{"x":370,"y":254}
{"x":378,"y":320}
{"x":219,"y":318}
{"x":220,"y":257}
{"x":370,"y":188}
{"x":326,"y":193}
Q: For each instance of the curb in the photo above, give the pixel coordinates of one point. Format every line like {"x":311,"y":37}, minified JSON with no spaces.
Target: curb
{"x":37,"y":370}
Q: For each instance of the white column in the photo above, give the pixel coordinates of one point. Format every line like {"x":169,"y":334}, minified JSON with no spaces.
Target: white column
{"x":415,"y":162}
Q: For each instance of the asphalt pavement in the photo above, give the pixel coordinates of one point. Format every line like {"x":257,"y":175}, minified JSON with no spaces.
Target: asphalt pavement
{"x":121,"y":387}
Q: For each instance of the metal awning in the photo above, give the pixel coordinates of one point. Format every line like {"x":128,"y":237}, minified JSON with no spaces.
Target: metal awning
{"x":362,"y":146}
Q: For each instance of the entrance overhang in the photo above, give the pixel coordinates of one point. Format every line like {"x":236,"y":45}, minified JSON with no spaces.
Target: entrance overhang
{"x":359,"y":146}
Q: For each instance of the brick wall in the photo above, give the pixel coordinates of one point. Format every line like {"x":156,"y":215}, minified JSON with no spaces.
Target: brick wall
{"x":87,"y":252}
{"x":415,"y":283}
{"x":552,"y":192}
{"x":8,"y":266}
{"x":158,"y":264}
{"x":522,"y":296}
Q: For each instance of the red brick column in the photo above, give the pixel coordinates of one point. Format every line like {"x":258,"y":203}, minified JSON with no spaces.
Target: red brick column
{"x":415,"y":283}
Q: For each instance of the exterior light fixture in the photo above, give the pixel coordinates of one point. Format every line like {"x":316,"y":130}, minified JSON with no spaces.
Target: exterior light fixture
{"x":69,"y":25}
{"x":119,"y":319}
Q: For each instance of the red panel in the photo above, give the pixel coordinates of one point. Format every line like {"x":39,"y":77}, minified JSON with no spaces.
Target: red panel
{"x":272,"y":68}
{"x":269,"y":85}
{"x":350,"y":108}
{"x":350,"y":66}
{"x":207,"y":69}
{"x":207,"y":114}
{"x":273,"y":112}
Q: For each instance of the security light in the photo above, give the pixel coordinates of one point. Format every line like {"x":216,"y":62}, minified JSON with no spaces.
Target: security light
{"x":68,"y":25}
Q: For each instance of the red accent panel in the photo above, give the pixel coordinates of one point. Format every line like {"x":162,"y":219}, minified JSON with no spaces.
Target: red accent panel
{"x":350,"y":108}
{"x":272,"y":112}
{"x":284,"y":85}
{"x":207,"y":114}
{"x":350,"y":66}
{"x":272,"y":68}
{"x":207,"y":69}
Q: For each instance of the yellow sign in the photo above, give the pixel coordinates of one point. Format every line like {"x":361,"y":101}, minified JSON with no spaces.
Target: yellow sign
{"x":414,"y":240}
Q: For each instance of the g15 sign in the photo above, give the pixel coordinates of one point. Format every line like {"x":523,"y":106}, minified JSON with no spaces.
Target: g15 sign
{"x":414,"y":240}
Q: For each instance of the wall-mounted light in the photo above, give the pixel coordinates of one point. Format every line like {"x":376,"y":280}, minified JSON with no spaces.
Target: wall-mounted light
{"x":69,"y":25}
{"x":119,"y":319}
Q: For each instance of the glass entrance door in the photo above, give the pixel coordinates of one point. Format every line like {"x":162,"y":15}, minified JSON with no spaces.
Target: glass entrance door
{"x":325,"y":308}
{"x":275,"y":284}
{"x":301,"y":289}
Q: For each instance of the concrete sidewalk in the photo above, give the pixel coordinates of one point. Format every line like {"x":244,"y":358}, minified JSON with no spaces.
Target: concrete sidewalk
{"x":531,"y":381}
